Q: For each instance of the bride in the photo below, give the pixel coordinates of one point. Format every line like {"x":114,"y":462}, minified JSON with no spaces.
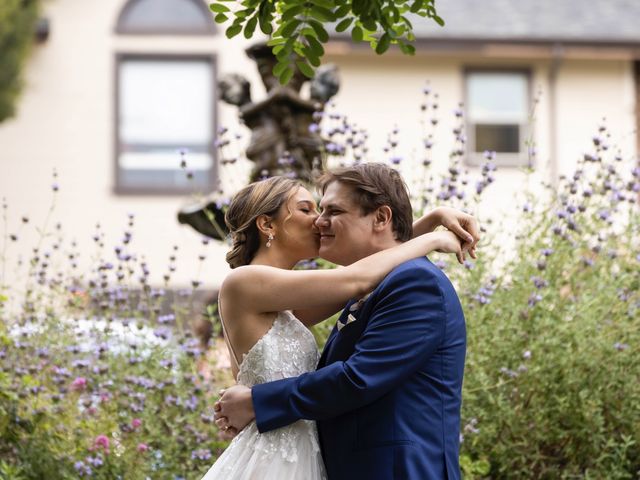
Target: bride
{"x":266,"y":309}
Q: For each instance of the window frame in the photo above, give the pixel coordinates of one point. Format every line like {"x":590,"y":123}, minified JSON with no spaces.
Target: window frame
{"x":165,"y":190}
{"x":503,"y":159}
{"x":120,"y":30}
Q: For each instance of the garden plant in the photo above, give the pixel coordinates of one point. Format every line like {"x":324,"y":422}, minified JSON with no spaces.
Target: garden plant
{"x":101,"y":377}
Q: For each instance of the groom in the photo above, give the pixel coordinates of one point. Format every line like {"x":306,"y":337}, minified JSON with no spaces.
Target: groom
{"x":387,"y":392}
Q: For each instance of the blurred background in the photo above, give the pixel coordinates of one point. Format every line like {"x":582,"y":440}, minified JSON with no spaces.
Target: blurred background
{"x":114,"y":89}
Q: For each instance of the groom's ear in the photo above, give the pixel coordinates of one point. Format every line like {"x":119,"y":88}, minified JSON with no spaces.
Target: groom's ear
{"x":382,"y":218}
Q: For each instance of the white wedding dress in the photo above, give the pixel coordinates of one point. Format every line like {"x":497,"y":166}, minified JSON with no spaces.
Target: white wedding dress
{"x":288,"y":349}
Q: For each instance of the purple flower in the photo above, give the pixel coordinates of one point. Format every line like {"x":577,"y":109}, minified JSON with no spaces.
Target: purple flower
{"x":508,"y":372}
{"x":201,"y":454}
{"x":442,"y":265}
{"x":534,"y":298}
{"x":620,"y":346}
{"x":539,"y":282}
{"x":587,"y":262}
{"x":95,"y":461}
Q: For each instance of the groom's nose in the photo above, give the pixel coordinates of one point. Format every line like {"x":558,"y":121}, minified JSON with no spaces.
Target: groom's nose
{"x":321,"y":221}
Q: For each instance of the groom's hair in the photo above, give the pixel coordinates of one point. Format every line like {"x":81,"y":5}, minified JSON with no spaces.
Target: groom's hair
{"x":374,"y":185}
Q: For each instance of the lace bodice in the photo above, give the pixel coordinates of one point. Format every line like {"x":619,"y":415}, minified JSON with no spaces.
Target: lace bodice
{"x":288,"y":349}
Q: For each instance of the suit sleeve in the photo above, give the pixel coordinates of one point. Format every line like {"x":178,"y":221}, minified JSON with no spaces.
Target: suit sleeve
{"x":406,"y":327}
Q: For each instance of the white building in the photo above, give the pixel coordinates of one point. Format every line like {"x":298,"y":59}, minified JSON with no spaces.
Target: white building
{"x":120,"y":86}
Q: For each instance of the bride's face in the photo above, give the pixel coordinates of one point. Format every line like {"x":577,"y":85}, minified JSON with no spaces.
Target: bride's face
{"x":296,"y":232}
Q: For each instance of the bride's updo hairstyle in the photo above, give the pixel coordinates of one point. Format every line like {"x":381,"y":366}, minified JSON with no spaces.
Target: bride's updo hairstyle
{"x":259,"y":198}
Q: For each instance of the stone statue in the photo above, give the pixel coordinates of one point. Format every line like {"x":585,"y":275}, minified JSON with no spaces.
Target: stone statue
{"x":282,"y":142}
{"x":280,"y":123}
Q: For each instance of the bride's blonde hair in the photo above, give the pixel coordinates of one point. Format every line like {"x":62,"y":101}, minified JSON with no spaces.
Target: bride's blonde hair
{"x":259,"y":198}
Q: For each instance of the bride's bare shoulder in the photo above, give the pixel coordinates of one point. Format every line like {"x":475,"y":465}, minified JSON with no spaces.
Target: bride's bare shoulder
{"x":245,"y":277}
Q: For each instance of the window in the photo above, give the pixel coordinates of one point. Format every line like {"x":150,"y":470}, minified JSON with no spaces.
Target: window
{"x":164,"y":104}
{"x":187,"y":17}
{"x":497,"y":115}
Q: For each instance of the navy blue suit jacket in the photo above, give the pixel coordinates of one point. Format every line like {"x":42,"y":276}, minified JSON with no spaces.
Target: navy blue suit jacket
{"x":388,"y":388}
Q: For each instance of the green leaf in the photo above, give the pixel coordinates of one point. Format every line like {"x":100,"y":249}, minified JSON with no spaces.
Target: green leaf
{"x":233,"y":30}
{"x":315,"y":46}
{"x":279,"y":68}
{"x":311,"y":56}
{"x":417,"y":6}
{"x":344,"y":24}
{"x":285,"y":76}
{"x":324,"y":3}
{"x":221,"y":18}
{"x":321,"y":33}
{"x":291,"y":12}
{"x":359,"y":7}
{"x":383,"y":44}
{"x":284,"y":54}
{"x":305,"y":68}
{"x":219,"y":8}
{"x":290,"y":27}
{"x":369,"y":23}
{"x":277,"y":49}
{"x":439,"y":20}
{"x":243,"y":13}
{"x":356,"y":34}
{"x":342,"y":11}
{"x":322,"y":14}
{"x":407,"y":49}
{"x":265,"y":25}
{"x":276,"y":41}
{"x":250,"y":27}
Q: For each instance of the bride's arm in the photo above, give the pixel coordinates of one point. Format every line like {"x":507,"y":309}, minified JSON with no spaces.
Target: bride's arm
{"x":462,"y":224}
{"x":269,"y":289}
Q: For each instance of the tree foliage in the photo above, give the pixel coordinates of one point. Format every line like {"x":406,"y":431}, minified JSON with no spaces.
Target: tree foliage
{"x":17,"y":23}
{"x":299,"y":28}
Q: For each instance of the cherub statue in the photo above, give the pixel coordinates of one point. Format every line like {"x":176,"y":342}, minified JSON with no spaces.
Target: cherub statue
{"x":281,"y":140}
{"x":280,"y":123}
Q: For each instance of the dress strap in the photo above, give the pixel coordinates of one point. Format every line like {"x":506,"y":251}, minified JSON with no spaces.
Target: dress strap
{"x":226,"y":337}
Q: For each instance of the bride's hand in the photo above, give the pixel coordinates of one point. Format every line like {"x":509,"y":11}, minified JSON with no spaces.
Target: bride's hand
{"x":464,"y":225}
{"x":449,"y":242}
{"x":234,"y":409}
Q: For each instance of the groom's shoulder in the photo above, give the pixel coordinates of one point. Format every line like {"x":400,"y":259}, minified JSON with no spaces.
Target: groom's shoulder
{"x":419,"y":269}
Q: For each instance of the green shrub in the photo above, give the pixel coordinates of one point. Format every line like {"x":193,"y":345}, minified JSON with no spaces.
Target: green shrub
{"x":17,"y":32}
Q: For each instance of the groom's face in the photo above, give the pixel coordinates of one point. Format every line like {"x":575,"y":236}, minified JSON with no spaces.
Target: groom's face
{"x":345,"y":233}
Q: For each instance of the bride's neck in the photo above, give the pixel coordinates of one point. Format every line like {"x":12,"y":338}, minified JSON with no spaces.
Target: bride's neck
{"x":274,"y":257}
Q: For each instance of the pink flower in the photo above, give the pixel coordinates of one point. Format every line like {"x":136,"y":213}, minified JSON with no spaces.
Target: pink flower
{"x":80,"y":383}
{"x":102,"y":441}
{"x":142,"y":447}
{"x":135,"y":423}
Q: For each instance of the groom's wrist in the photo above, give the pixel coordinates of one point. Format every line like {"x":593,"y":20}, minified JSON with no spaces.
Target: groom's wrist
{"x":250,"y":405}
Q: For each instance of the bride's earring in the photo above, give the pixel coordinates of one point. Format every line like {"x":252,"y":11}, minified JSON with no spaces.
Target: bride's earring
{"x":269,"y":240}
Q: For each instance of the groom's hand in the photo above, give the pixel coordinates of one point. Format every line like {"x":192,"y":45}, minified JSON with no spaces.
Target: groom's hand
{"x":463,"y":225}
{"x":234,"y":409}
